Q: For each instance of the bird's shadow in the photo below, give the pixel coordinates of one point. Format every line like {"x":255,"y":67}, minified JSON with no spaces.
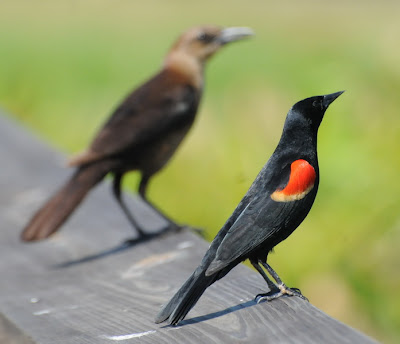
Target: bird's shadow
{"x":125,"y":245}
{"x":214,"y":315}
{"x":128,"y":244}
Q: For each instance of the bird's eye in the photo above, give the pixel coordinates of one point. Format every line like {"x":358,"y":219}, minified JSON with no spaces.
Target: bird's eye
{"x":317,"y":104}
{"x":205,"y":38}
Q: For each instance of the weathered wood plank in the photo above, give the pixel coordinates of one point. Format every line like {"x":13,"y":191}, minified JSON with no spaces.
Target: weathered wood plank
{"x":9,"y":334}
{"x":84,"y":286}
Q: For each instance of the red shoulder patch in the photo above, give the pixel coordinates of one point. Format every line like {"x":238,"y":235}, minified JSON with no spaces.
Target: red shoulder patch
{"x":301,"y":181}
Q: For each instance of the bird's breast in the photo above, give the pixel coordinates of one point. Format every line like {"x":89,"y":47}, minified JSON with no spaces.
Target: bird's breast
{"x":301,"y":182}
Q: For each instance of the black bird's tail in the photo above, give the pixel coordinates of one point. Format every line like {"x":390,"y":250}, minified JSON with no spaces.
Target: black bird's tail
{"x":59,"y":207}
{"x":185,"y":298}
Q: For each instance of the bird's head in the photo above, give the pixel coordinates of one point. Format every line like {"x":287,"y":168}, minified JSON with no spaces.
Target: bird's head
{"x":312,"y":109}
{"x":200,"y":43}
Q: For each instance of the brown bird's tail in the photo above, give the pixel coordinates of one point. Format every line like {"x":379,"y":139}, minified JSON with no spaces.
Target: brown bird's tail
{"x":59,"y":207}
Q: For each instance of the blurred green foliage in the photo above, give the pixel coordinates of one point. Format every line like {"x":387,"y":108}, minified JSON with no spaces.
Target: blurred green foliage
{"x":64,"y":65}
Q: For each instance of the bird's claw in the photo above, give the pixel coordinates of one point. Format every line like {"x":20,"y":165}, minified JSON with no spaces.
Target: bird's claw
{"x":172,"y":228}
{"x":175,"y":228}
{"x":282,"y":290}
{"x":138,"y":240}
{"x":198,"y":231}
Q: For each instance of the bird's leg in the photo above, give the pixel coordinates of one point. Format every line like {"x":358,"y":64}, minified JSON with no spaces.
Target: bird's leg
{"x":142,"y":192}
{"x":282,"y":288}
{"x":118,"y":196}
{"x":271,"y":285}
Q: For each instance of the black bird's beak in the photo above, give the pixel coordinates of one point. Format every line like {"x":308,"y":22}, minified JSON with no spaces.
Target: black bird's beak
{"x":232,"y":34}
{"x":329,"y":98}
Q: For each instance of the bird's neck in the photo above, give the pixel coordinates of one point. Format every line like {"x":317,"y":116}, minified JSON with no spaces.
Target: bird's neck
{"x":300,"y":136}
{"x":187,"y":66}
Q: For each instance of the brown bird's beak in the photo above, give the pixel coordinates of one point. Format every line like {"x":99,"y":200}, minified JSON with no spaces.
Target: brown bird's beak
{"x":232,"y":34}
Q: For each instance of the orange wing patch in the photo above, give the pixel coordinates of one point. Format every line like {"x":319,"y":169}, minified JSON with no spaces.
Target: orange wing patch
{"x":301,"y":181}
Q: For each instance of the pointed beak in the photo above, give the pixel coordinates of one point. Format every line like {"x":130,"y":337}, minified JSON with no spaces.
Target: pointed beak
{"x":329,"y":98}
{"x":232,"y":34}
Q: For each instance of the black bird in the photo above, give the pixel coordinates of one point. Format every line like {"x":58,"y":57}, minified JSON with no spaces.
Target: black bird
{"x":276,"y":203}
{"x":143,"y":132}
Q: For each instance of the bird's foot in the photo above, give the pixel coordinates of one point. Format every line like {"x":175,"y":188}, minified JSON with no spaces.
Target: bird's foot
{"x":145,"y":236}
{"x":172,"y":228}
{"x":176,"y":228}
{"x":198,"y":231}
{"x":141,"y":238}
{"x":281,"y":290}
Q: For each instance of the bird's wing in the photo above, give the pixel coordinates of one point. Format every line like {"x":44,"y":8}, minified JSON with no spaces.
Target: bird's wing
{"x":162,"y":103}
{"x":268,"y":212}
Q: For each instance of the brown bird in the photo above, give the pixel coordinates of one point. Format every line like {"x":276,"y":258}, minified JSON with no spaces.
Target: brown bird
{"x":143,"y":132}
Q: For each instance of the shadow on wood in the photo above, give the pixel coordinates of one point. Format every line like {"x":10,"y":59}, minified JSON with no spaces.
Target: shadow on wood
{"x":125,"y":245}
{"x":217,"y":314}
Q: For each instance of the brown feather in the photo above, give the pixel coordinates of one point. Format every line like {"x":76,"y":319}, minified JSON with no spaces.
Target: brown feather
{"x":58,"y":208}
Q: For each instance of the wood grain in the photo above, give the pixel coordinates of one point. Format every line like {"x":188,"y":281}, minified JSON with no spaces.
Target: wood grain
{"x":85,"y":286}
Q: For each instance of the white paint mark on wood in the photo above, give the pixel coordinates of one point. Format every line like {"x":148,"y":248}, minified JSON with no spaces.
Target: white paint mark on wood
{"x":129,"y":336}
{"x":42,"y":312}
{"x":48,"y":311}
{"x":185,"y":244}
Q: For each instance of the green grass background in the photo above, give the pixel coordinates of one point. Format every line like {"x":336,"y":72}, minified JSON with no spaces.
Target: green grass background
{"x":64,"y":66}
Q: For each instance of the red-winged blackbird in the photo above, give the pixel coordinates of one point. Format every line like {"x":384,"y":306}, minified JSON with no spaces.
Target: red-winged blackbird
{"x":277,"y":202}
{"x":143,"y":132}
